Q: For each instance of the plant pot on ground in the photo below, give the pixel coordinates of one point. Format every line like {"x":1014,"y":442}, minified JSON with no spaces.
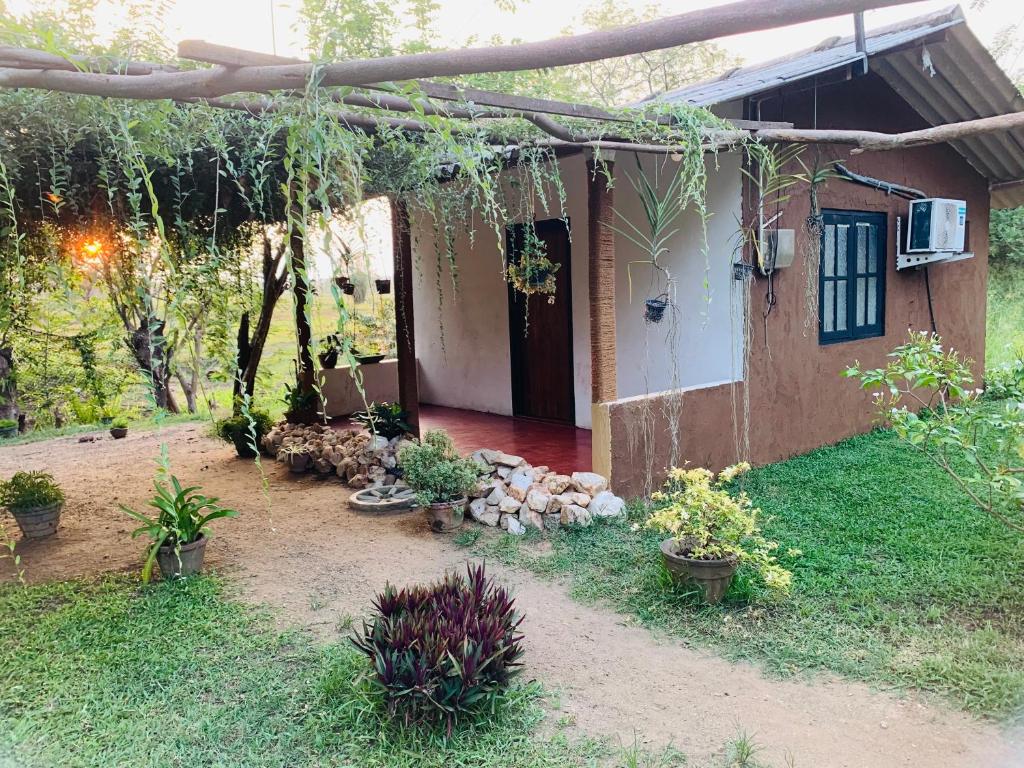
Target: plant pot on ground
{"x":385,"y":419}
{"x":712,"y":531}
{"x":179,"y":531}
{"x":119,"y":428}
{"x":245,"y":431}
{"x":8,"y":429}
{"x":35,"y":501}
{"x":296,"y":457}
{"x":440,"y":477}
{"x":383,"y":285}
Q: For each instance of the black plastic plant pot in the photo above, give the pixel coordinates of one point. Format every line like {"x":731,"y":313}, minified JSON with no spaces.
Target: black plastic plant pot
{"x":537,"y":279}
{"x":341,"y":281}
{"x":383,"y":285}
{"x":328,"y":359}
{"x":348,"y":289}
{"x":654,"y":309}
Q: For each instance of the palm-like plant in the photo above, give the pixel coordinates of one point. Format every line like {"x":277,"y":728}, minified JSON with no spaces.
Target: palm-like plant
{"x":183,"y":517}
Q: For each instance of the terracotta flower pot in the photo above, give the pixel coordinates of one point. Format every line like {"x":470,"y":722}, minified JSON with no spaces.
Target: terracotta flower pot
{"x":38,"y":522}
{"x":712,"y":576}
{"x":186,"y":562}
{"x":118,"y":432}
{"x":446,"y":516}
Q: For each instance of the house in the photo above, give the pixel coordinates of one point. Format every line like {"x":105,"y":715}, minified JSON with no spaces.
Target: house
{"x":742,"y":365}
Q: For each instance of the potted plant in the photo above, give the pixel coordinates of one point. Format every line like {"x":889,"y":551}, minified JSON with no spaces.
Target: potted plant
{"x":534,"y":274}
{"x":330,"y":348}
{"x":654,"y":309}
{"x":179,"y":531}
{"x":368,"y":356}
{"x":296,"y":457}
{"x":341,"y":281}
{"x":385,"y":419}
{"x":383,"y":284}
{"x":245,"y":431}
{"x":35,"y":501}
{"x":712,"y":532}
{"x":119,"y":427}
{"x":440,"y":477}
{"x":299,"y":405}
{"x":348,"y":289}
{"x":8,"y":428}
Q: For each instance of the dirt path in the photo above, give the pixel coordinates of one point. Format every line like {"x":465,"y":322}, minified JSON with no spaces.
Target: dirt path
{"x":322,"y":564}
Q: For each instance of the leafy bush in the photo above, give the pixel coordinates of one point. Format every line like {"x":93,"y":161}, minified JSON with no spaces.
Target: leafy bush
{"x":119,"y":423}
{"x":245,"y":431}
{"x":1007,"y":380}
{"x":710,"y":523}
{"x":980,"y":446}
{"x":444,"y":651}
{"x":384,"y":419}
{"x":26,"y":490}
{"x":183,"y":516}
{"x":434,"y":469}
{"x":8,"y":423}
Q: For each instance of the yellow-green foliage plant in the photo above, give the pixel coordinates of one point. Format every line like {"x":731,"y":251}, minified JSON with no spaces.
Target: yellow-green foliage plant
{"x":709,"y":522}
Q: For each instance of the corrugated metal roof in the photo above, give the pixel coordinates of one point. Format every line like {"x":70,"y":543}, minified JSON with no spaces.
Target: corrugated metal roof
{"x":945,"y":78}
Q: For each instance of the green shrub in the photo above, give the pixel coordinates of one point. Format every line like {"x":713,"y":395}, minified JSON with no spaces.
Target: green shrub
{"x":30,"y":489}
{"x":183,"y":516}
{"x":384,"y":419}
{"x":444,"y":651}
{"x":119,"y":423}
{"x":8,"y":423}
{"x":434,"y":469}
{"x":241,"y":430}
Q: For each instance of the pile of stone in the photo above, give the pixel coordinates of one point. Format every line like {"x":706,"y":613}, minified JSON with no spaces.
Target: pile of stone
{"x":516,"y":496}
{"x":358,"y":458}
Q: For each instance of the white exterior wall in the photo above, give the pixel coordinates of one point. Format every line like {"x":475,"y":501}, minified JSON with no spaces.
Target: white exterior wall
{"x":472,"y":368}
{"x":707,"y":301}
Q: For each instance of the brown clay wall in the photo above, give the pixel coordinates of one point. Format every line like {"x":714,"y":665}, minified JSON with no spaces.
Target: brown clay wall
{"x":798,"y":400}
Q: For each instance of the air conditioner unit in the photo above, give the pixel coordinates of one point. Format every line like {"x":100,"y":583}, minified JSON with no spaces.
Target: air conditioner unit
{"x":937,"y":225}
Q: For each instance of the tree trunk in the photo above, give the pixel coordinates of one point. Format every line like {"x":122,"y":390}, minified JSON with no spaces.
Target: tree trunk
{"x":304,"y":371}
{"x":250,"y":349}
{"x":149,"y":347}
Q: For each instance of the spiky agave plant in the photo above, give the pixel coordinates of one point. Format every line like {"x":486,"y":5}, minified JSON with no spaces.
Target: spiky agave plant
{"x":444,"y":651}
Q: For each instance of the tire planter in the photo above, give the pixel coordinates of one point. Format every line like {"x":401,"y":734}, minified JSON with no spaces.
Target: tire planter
{"x":712,"y":576}
{"x":188,"y":562}
{"x":8,"y":432}
{"x":446,"y":516}
{"x":38,"y":522}
{"x":384,"y":500}
{"x":118,"y":432}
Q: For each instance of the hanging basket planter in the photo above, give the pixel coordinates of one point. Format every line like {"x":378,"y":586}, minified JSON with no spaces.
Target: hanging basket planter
{"x":348,"y":289}
{"x":383,"y":285}
{"x":654,"y":309}
{"x":341,"y":281}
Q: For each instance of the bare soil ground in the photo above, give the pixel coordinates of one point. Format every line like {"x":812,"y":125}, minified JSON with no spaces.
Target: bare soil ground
{"x":301,"y":549}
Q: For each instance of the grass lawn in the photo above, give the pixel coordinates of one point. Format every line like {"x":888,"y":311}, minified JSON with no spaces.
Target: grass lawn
{"x":1005,"y":321}
{"x":111,"y":674}
{"x":900,"y":583}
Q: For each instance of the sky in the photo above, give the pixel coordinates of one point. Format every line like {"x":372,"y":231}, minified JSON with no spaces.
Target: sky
{"x":268,"y":25}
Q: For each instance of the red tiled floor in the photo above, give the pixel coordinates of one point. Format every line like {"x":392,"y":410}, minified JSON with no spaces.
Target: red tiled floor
{"x":561,"y":447}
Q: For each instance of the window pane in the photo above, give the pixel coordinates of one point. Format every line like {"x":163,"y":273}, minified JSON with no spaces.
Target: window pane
{"x":840,"y":305}
{"x":862,"y":288}
{"x":873,"y":250}
{"x":862,"y":248}
{"x":841,"y":232}
{"x":872,"y":300}
{"x":829,"y":251}
{"x":829,"y":309}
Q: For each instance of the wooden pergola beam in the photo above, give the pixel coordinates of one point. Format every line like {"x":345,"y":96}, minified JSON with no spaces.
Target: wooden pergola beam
{"x":696,"y":26}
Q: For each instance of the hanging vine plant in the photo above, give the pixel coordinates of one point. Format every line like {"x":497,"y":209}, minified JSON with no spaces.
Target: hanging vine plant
{"x":533,"y":273}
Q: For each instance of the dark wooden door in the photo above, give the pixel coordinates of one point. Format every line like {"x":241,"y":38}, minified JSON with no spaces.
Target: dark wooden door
{"x":541,"y":332}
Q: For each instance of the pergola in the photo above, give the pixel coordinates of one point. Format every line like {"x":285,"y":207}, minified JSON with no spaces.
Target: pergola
{"x":373,"y":93}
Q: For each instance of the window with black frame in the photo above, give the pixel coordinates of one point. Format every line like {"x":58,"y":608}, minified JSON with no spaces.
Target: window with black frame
{"x":851,"y":278}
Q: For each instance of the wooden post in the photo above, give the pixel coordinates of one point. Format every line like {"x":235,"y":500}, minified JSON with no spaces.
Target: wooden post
{"x":303,"y":332}
{"x":601,"y":268}
{"x":602,"y":285}
{"x":405,"y":325}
